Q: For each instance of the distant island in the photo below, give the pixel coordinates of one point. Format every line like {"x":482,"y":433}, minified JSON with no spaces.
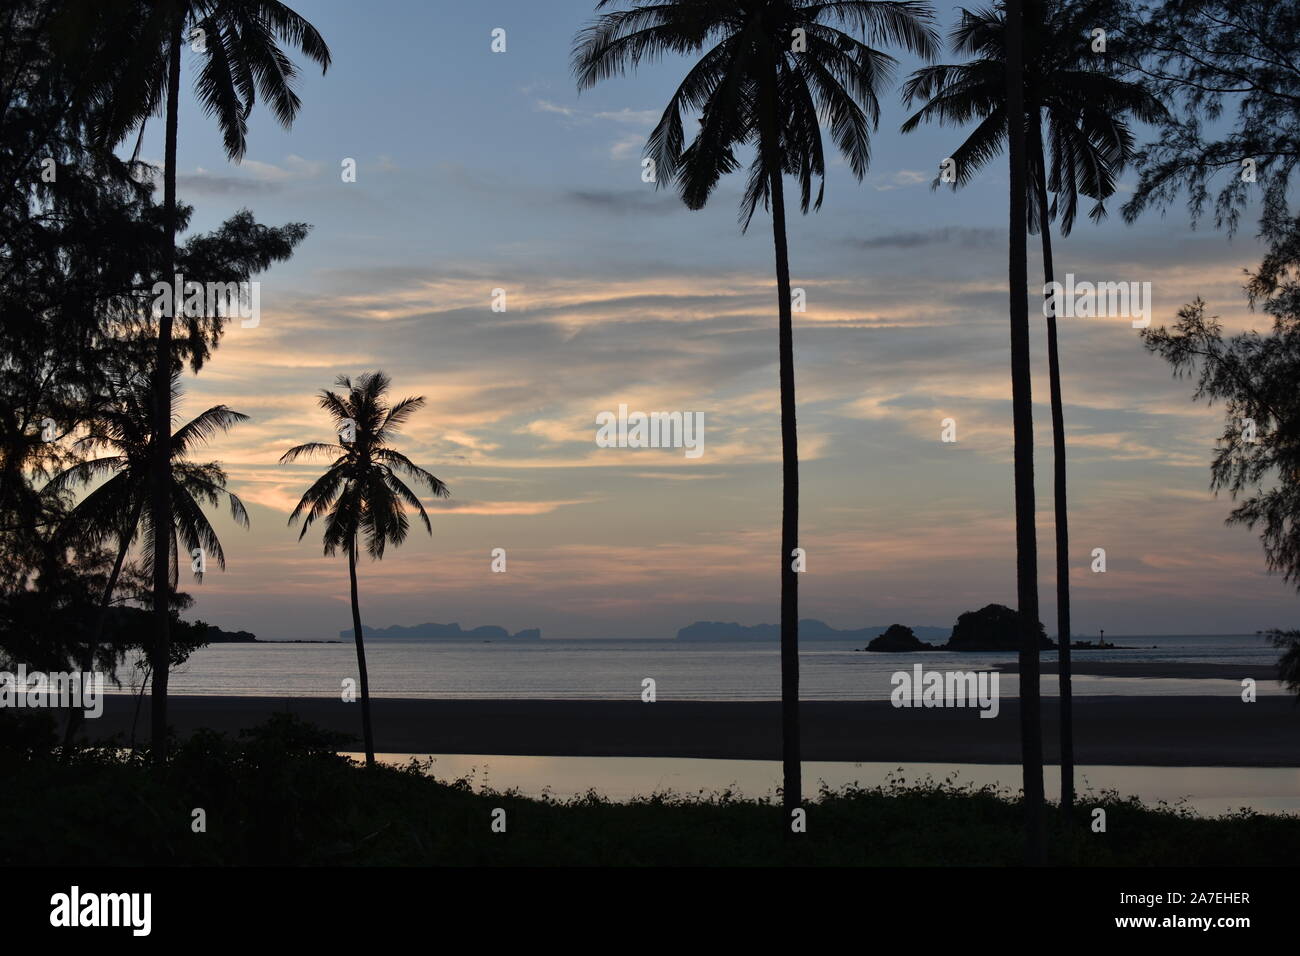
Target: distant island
{"x":442,"y":632}
{"x":809,"y":630}
{"x":897,"y":638}
{"x":994,"y":627}
{"x":215,"y":635}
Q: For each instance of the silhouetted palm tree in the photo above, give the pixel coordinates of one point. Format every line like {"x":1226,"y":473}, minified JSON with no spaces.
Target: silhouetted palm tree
{"x":769,"y":73}
{"x":360,"y":492}
{"x":1073,"y":89}
{"x":114,"y":512}
{"x":1031,"y":727}
{"x":238,"y":41}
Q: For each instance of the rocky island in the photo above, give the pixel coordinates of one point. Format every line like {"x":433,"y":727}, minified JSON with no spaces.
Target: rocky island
{"x":994,"y":627}
{"x":899,"y":637}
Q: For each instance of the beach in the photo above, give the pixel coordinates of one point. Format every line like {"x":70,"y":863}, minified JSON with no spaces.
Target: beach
{"x":1158,"y":670}
{"x":1123,"y":731}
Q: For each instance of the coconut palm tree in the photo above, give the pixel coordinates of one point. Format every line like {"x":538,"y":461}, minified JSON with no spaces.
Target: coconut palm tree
{"x":1022,"y":407}
{"x":238,"y":42}
{"x":767,"y":74}
{"x":1010,"y":71}
{"x":115,"y":512}
{"x":1072,"y":88}
{"x":360,"y":494}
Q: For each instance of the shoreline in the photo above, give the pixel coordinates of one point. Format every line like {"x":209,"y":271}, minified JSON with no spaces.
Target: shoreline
{"x":1121,"y":731}
{"x":1155,"y":670}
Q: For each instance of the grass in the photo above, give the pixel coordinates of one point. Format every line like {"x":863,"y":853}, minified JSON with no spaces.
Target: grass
{"x":280,"y":795}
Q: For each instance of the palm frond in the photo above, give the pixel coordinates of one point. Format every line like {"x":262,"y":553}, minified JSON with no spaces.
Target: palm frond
{"x":311,"y":448}
{"x":359,"y":497}
{"x":215,"y":420}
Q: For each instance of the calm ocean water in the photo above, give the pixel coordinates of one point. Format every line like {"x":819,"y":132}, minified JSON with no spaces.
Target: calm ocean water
{"x":611,"y":669}
{"x":614,"y":669}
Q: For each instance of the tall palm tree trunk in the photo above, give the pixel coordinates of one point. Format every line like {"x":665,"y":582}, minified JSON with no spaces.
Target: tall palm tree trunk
{"x":361,"y":658}
{"x":1031,"y":730}
{"x":123,"y":543}
{"x":1059,"y":495}
{"x":160,"y":501}
{"x":792,"y":771}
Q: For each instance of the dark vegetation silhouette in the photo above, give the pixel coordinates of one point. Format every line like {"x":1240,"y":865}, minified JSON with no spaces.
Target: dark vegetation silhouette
{"x":284,"y":770}
{"x":114,"y":513}
{"x":240,"y":57}
{"x":1236,"y":62}
{"x":81,"y":246}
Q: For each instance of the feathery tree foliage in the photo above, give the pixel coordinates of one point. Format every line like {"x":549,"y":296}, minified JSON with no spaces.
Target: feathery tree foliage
{"x":82,"y":243}
{"x":239,"y":46}
{"x":1231,"y":70}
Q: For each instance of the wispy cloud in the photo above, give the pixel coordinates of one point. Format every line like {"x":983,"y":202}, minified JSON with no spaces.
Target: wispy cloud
{"x":965,"y":236}
{"x":899,"y":179}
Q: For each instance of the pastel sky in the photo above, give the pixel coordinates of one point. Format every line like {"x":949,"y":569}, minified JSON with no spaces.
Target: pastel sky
{"x":479,"y":170}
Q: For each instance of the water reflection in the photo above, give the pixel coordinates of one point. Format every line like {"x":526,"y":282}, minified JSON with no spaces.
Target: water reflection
{"x":1208,"y":791}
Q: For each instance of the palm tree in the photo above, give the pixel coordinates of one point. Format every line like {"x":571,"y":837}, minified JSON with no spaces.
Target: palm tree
{"x":1073,"y":90}
{"x":115,"y":512}
{"x":768,"y":73}
{"x":360,"y":493}
{"x":242,"y":58}
{"x":1022,"y":406}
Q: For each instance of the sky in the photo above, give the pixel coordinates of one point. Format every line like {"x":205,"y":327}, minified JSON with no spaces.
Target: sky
{"x":479,"y":171}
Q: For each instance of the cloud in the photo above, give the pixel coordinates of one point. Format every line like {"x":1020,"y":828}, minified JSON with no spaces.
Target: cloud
{"x":883,"y":355}
{"x":625,"y":116}
{"x":900,"y":179}
{"x":212,"y":184}
{"x":625,"y":202}
{"x":929,"y":237}
{"x":546,"y":106}
{"x":625,"y":147}
{"x":632,"y":117}
{"x":453,"y":506}
{"x":261,"y":178}
{"x":294,"y":168}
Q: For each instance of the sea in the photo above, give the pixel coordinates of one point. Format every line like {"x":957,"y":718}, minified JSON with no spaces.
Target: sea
{"x":615,"y":669}
{"x":829,"y":670}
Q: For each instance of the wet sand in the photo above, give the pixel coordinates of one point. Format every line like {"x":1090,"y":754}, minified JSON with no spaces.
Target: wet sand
{"x":1127,"y":731}
{"x":1180,"y":670}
